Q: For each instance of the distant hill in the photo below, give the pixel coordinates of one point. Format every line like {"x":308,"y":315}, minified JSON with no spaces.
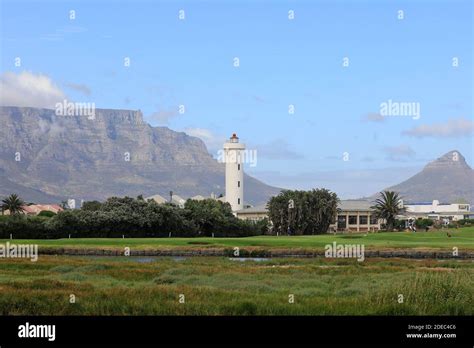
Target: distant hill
{"x":76,"y":157}
{"x":447,"y":179}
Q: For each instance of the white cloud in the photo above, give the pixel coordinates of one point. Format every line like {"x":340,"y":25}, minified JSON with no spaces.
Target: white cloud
{"x":278,"y":149}
{"x":456,"y":127}
{"x":60,"y":34}
{"x":79,"y":87}
{"x":374,"y":117}
{"x":163,"y":116}
{"x":51,"y":128}
{"x":213,"y":142}
{"x":399,"y":153}
{"x":29,"y":89}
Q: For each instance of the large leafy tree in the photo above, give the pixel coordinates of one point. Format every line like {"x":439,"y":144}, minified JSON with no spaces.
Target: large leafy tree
{"x":303,"y":212}
{"x":13,"y":203}
{"x":209,"y":215}
{"x":387,"y":207}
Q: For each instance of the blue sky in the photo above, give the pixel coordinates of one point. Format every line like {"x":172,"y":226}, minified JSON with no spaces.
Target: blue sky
{"x":190,"y":62}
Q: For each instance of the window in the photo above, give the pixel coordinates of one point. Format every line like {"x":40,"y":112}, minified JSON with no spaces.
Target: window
{"x":238,"y":200}
{"x":352,"y":219}
{"x":363,"y":219}
{"x":341,"y":221}
{"x":373,"y":220}
{"x":238,"y":166}
{"x":238,"y":183}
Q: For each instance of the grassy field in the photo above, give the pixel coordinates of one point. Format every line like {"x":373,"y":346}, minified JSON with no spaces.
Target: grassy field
{"x":461,"y":238}
{"x":220,"y":286}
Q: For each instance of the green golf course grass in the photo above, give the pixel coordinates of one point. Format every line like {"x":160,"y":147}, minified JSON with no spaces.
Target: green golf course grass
{"x":221,"y":286}
{"x":462,"y":238}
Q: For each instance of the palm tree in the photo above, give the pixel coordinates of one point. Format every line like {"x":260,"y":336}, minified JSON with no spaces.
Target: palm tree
{"x":13,"y":203}
{"x":387,"y":207}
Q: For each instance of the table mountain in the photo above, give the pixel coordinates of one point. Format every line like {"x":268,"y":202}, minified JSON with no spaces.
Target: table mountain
{"x":45,"y":158}
{"x":447,"y":179}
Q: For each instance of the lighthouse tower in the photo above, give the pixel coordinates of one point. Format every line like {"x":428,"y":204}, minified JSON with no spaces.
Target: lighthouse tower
{"x":234,"y":173}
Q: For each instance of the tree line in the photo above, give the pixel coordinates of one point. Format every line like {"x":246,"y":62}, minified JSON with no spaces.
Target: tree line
{"x":134,"y":217}
{"x":291,"y":212}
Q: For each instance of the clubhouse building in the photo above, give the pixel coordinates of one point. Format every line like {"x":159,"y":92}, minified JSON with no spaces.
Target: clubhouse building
{"x":353,"y":216}
{"x":358,"y":216}
{"x":436,"y":211}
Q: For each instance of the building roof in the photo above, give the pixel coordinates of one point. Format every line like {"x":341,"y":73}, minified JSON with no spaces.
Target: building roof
{"x":35,"y":209}
{"x":347,"y":205}
{"x":428,"y":203}
{"x":254,"y":210}
{"x":355,"y":205}
{"x":198,"y":198}
{"x":157,"y":198}
{"x":178,"y":199}
{"x":50,"y":207}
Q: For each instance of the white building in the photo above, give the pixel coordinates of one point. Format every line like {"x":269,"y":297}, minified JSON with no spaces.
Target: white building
{"x":175,"y":199}
{"x":437,"y":211}
{"x":234,"y":173}
{"x":157,"y":198}
{"x":352,"y":216}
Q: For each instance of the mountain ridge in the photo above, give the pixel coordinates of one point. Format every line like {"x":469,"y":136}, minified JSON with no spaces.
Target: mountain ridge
{"x":45,"y":156}
{"x":448,"y":178}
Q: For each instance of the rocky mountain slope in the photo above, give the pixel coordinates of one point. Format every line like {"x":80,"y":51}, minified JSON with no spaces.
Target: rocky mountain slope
{"x":447,"y":179}
{"x":45,"y":158}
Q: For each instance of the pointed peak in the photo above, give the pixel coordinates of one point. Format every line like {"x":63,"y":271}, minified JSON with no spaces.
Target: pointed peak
{"x":452,"y":158}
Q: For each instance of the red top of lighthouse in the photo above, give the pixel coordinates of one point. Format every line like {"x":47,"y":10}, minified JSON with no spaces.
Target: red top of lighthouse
{"x":234,"y":138}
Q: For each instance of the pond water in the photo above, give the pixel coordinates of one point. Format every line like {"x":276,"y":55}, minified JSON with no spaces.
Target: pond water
{"x":139,"y":259}
{"x":149,"y":259}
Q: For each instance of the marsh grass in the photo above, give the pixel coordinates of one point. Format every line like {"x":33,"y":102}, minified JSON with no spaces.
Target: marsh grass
{"x":219,"y":286}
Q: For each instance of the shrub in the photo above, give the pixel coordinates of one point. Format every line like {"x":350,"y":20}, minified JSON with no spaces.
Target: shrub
{"x":466,"y":222}
{"x":134,"y":218}
{"x":423,"y":223}
{"x":46,"y":213}
{"x":22,"y":226}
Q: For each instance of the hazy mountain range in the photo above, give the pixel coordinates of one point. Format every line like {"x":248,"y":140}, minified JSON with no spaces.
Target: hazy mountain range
{"x":44,"y":158}
{"x":47,"y":158}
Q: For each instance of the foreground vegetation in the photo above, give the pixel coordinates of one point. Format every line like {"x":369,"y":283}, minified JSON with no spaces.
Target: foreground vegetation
{"x":133,"y":218}
{"x":462,"y":238}
{"x":220,"y":286}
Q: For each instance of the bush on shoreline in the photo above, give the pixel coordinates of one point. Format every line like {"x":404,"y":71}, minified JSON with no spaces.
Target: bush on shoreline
{"x":134,"y":218}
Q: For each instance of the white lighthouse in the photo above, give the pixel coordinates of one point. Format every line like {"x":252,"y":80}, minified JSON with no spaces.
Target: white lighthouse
{"x":234,"y":173}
